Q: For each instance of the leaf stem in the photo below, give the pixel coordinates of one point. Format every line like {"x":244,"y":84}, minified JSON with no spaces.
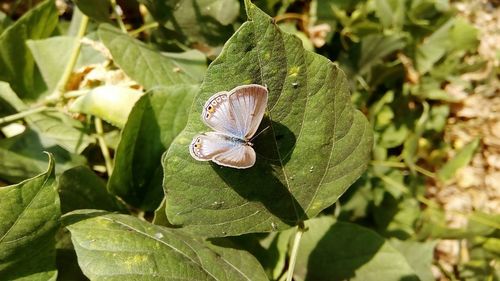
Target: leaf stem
{"x":103,"y":146}
{"x":143,"y":28}
{"x":22,"y":114}
{"x":61,"y":84}
{"x":404,"y":166}
{"x":118,"y":16}
{"x":295,"y":250}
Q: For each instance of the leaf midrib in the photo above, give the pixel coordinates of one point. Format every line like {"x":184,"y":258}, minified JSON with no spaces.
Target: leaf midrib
{"x":27,"y":207}
{"x":177,"y":250}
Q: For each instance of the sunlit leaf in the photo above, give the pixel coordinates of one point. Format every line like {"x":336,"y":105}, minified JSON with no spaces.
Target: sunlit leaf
{"x":119,"y":247}
{"x":332,"y":250}
{"x":29,"y":217}
{"x":17,"y":64}
{"x":154,"y":122}
{"x":317,"y":144}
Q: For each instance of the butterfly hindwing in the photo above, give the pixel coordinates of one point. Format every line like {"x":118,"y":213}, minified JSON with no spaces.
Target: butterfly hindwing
{"x":223,"y":150}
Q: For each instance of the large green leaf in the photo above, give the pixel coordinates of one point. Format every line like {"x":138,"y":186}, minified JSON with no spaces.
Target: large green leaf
{"x":461,"y":159}
{"x":81,"y":188}
{"x":147,"y":66}
{"x":17,"y":65}
{"x":317,"y":144}
{"x":119,"y":247}
{"x":332,"y":250}
{"x":29,"y":217}
{"x":154,"y":122}
{"x":52,"y":54}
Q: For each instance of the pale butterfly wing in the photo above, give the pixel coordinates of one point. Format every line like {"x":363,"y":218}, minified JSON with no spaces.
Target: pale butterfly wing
{"x":237,"y":113}
{"x":223,"y":149}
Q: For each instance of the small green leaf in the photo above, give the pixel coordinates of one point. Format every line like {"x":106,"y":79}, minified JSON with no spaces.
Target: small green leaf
{"x":317,"y":144}
{"x":29,"y":218}
{"x":433,"y":47}
{"x":332,"y":250}
{"x":419,"y":256}
{"x":154,"y":122}
{"x":391,"y":13}
{"x":97,"y":102}
{"x":17,"y":64}
{"x":80,"y":188}
{"x":201,"y":22}
{"x":96,"y":9}
{"x":146,"y":66}
{"x":461,"y":159}
{"x":119,"y":247}
{"x":22,"y":158}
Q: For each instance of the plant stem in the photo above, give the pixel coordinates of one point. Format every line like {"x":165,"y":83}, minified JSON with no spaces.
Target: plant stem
{"x":22,"y":114}
{"x":118,"y":16}
{"x":403,"y":165}
{"x":103,"y":146}
{"x":61,"y":84}
{"x":143,"y":28}
{"x":295,"y":250}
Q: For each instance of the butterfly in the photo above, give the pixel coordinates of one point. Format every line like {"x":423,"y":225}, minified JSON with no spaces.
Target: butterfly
{"x":235,"y":117}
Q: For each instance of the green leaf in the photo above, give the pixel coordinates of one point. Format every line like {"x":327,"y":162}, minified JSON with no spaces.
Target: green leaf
{"x":29,"y":218}
{"x":332,"y":250}
{"x":52,"y":55}
{"x":96,"y":9}
{"x":224,"y":11}
{"x":22,"y":157}
{"x":461,"y":159}
{"x":192,"y":62}
{"x":201,"y":22}
{"x":97,"y":102}
{"x":5,"y":21}
{"x":391,"y":13}
{"x":146,"y":66}
{"x":316,"y":147}
{"x":419,"y":256}
{"x":433,"y":47}
{"x":119,"y":247}
{"x":375,"y":47}
{"x":464,"y":35}
{"x":80,"y":188}
{"x":18,"y":67}
{"x":154,"y":122}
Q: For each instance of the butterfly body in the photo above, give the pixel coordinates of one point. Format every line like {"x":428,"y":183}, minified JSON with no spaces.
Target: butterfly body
{"x":235,"y":117}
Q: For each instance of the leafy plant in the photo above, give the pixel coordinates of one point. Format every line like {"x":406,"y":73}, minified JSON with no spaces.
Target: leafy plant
{"x":114,"y":98}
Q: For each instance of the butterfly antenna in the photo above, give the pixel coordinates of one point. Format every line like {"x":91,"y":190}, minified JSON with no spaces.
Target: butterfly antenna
{"x":263,"y":130}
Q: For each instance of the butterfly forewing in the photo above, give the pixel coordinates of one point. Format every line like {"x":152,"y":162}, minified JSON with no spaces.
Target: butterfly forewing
{"x":223,"y":150}
{"x":237,"y":113}
{"x":218,"y":114}
{"x":249,"y":105}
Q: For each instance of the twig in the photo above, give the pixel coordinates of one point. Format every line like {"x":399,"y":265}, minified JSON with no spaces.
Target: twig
{"x":143,"y":28}
{"x":295,"y":251}
{"x":22,"y":114}
{"x":61,"y":84}
{"x":102,"y":144}
{"x":118,"y":16}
